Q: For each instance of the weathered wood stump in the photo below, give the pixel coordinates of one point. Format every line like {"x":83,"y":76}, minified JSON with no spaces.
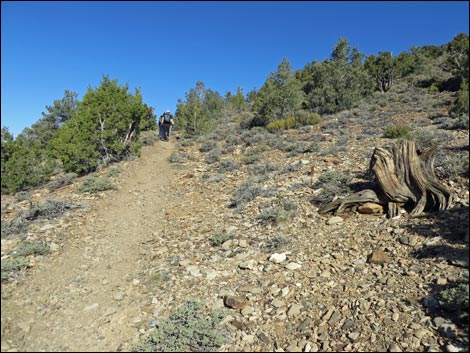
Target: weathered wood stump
{"x":405,"y":179}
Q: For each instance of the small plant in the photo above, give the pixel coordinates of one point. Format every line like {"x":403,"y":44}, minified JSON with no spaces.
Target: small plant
{"x":220,"y":238}
{"x":175,"y":157}
{"x":453,"y":165}
{"x":112,"y":172}
{"x":207,"y":146}
{"x":22,"y":196}
{"x":50,"y":209}
{"x":26,"y":248}
{"x":15,"y":226}
{"x":248,"y":191}
{"x":185,"y":330}
{"x":94,"y":184}
{"x":213,"y":156}
{"x":62,"y":181}
{"x":280,"y":214}
{"x":455,"y":300}
{"x":11,"y":266}
{"x":227,"y":165}
{"x":276,"y":243}
{"x":331,"y":184}
{"x":398,"y":131}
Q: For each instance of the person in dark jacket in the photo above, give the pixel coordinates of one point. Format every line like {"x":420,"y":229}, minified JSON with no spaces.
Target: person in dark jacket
{"x":166,"y":123}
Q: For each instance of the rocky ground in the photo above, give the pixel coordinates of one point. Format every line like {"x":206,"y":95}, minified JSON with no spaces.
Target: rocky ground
{"x":233,"y":221}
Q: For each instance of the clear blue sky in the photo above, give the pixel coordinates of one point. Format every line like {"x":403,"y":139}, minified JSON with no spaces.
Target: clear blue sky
{"x":166,"y":47}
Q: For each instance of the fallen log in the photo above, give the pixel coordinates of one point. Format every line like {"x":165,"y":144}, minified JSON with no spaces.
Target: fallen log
{"x":405,"y":179}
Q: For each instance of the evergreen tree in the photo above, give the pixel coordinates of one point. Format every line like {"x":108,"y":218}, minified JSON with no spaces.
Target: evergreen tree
{"x":336,"y":84}
{"x":199,"y":111}
{"x":382,"y":68}
{"x":104,"y":128}
{"x":280,"y":95}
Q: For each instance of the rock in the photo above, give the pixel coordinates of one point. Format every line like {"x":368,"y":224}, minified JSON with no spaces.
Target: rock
{"x":353,"y":335}
{"x":335,"y":220}
{"x":235,"y":302}
{"x":278,"y":258}
{"x":91,"y":307}
{"x":248,"y":265}
{"x":370,"y":208}
{"x":294,"y":310}
{"x":393,"y":347}
{"x":53,"y":247}
{"x":378,"y":257}
{"x":278,"y":303}
{"x":293,"y":266}
{"x":293,"y":348}
{"x":332,"y":160}
{"x":448,"y":330}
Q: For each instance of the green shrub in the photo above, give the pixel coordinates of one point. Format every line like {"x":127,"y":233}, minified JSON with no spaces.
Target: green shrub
{"x":11,"y":266}
{"x":175,"y":157}
{"x":185,"y":330}
{"x":280,"y":214}
{"x":112,"y":172}
{"x":301,"y":118}
{"x":220,"y":238}
{"x":94,"y":184}
{"x":26,"y":248}
{"x":455,"y":299}
{"x":398,"y":131}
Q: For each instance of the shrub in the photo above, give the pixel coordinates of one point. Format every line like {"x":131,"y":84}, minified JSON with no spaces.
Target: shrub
{"x":453,"y":165}
{"x":227,"y":165}
{"x":276,"y":243}
{"x":280,"y":214}
{"x":11,"y":266}
{"x":62,"y":181}
{"x":248,"y":191}
{"x":175,"y":157}
{"x":15,"y":226}
{"x":455,"y":299}
{"x":94,"y":184}
{"x":301,"y":118}
{"x":220,"y":238}
{"x":397,"y":131}
{"x":213,"y":156}
{"x":331,"y":184}
{"x":185,"y":330}
{"x":49,"y":209}
{"x":112,"y":172}
{"x":26,"y":248}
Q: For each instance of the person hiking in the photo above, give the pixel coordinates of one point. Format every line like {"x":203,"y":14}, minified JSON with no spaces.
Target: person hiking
{"x":166,"y":122}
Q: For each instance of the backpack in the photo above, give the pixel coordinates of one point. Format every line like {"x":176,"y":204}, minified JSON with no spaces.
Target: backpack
{"x":166,"y":118}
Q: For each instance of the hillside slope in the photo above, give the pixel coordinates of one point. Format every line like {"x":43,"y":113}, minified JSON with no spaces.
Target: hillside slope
{"x":206,"y":227}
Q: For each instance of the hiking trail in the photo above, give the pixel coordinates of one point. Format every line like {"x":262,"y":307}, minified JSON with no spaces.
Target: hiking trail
{"x":87,"y":298}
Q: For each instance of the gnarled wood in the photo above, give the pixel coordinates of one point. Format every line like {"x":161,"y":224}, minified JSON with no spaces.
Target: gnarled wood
{"x":405,"y":177}
{"x":351,"y":201}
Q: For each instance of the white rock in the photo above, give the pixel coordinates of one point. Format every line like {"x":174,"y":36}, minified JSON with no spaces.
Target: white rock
{"x":335,"y":220}
{"x":293,"y":266}
{"x":278,"y":258}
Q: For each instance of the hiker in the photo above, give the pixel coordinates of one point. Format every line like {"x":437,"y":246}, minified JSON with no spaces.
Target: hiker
{"x":166,"y":122}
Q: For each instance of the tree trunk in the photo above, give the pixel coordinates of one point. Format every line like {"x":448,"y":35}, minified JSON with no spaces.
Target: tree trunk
{"x":405,"y":178}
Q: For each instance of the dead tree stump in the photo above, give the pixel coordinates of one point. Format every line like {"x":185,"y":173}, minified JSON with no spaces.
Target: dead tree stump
{"x":405,"y":179}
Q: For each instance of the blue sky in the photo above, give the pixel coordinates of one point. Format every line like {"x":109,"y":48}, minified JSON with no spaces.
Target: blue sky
{"x":164,"y":48}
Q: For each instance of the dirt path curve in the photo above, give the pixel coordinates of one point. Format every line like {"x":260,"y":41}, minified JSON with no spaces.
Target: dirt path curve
{"x":88,"y":298}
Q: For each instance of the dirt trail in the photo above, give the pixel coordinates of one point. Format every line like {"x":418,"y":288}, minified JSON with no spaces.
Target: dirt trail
{"x":88,"y":298}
